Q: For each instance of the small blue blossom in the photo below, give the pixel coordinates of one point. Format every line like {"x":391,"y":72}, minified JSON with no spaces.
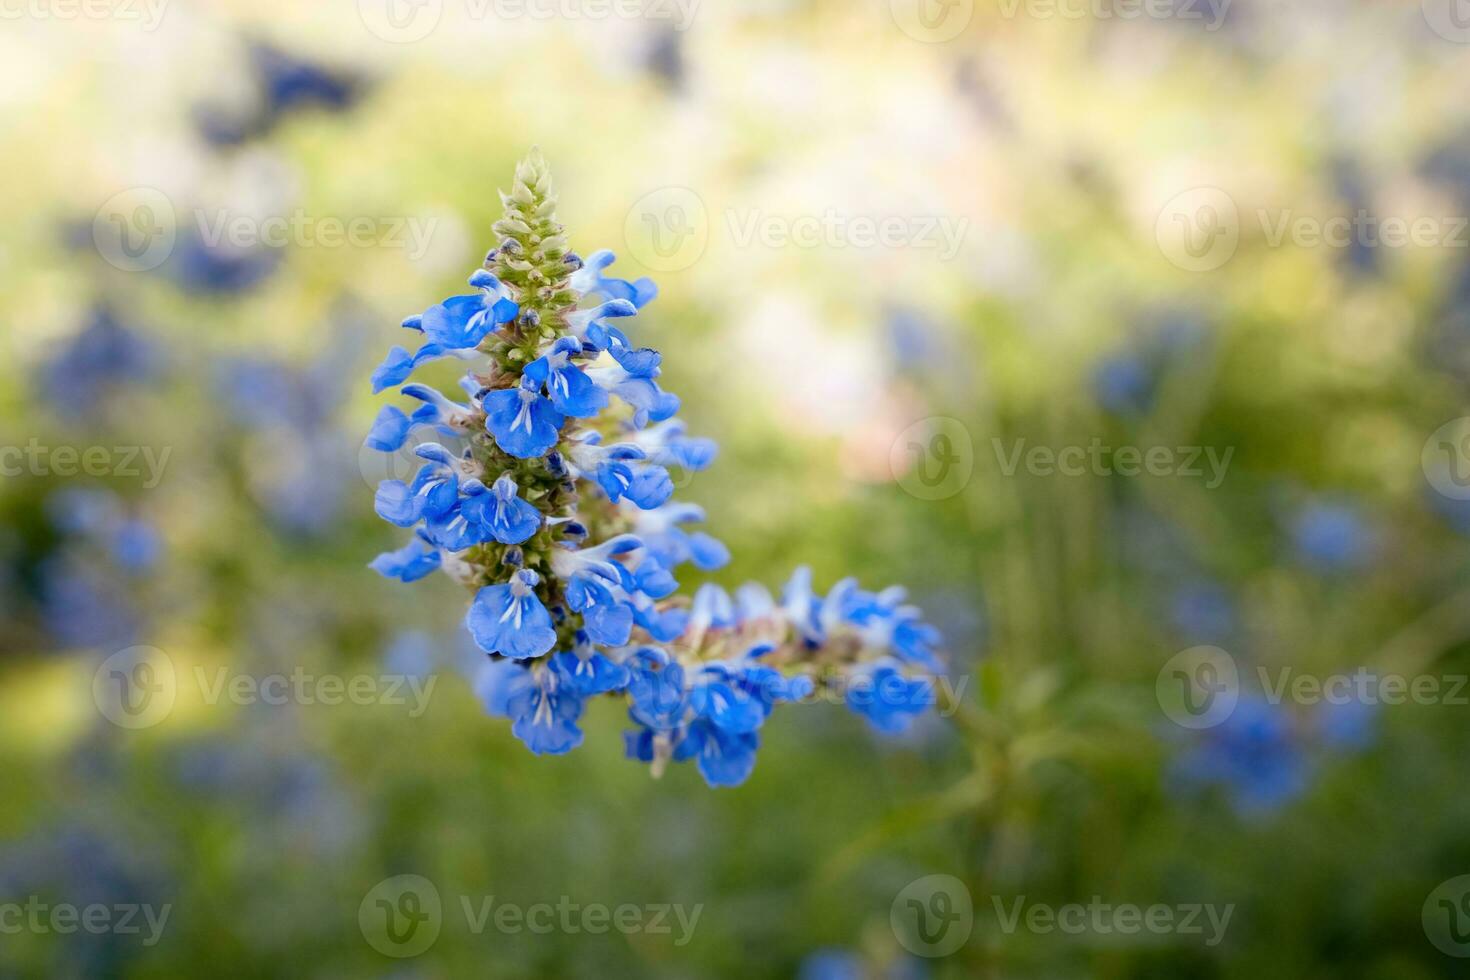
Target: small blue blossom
{"x":413,"y":561}
{"x":590,"y":280}
{"x":1255,"y":754}
{"x":508,"y":518}
{"x":569,"y":388}
{"x":462,"y":322}
{"x":524,"y":423}
{"x":545,"y":714}
{"x":389,"y":431}
{"x":1331,"y":537}
{"x":510,"y":620}
{"x":589,"y":673}
{"x":888,"y":699}
{"x":103,"y":357}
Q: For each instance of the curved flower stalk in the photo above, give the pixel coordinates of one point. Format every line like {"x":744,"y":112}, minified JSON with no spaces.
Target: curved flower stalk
{"x":555,"y":507}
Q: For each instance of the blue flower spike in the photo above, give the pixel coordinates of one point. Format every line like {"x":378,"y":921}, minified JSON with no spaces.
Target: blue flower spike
{"x":560,"y":495}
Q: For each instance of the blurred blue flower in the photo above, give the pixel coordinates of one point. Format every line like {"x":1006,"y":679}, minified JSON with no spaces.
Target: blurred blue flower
{"x":1331,"y":537}
{"x":101,"y":358}
{"x":832,"y":964}
{"x":282,"y":83}
{"x":1255,"y":755}
{"x":1202,"y":611}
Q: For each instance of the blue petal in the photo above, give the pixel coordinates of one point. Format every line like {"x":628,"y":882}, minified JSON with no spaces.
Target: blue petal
{"x":651,"y":487}
{"x":389,"y":431}
{"x":595,"y":674}
{"x":409,"y":564}
{"x":397,"y":504}
{"x":525,"y":425}
{"x":546,"y":716}
{"x":516,"y":627}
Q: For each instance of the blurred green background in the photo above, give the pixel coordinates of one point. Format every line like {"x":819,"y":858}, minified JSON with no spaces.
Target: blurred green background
{"x":1162,"y":226}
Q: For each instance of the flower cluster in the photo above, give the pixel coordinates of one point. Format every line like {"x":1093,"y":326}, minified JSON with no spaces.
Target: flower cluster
{"x":548,"y":493}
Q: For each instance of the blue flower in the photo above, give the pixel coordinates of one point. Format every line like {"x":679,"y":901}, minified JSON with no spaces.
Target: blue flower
{"x":201,"y":267}
{"x":589,"y":280}
{"x":1124,"y":384}
{"x":671,"y":545}
{"x":509,"y":620}
{"x":712,"y":609}
{"x":291,"y":82}
{"x":571,"y":391}
{"x":1331,"y":537}
{"x":607,"y":620}
{"x":546,"y":713}
{"x":831,"y":964}
{"x":589,"y":673}
{"x":724,"y":758}
{"x":462,"y":322}
{"x":886,"y":698}
{"x":590,"y":326}
{"x":656,"y":690}
{"x":432,"y":495}
{"x":410,"y":563}
{"x":389,"y":431}
{"x":103,"y":357}
{"x":437,"y":410}
{"x":649,"y":402}
{"x":497,"y":681}
{"x":666,"y":443}
{"x":524,"y":423}
{"x":508,"y":518}
{"x":399,"y":365}
{"x":1254,"y":754}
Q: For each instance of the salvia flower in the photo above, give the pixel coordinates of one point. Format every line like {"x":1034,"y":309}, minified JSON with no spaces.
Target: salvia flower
{"x":559,"y":515}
